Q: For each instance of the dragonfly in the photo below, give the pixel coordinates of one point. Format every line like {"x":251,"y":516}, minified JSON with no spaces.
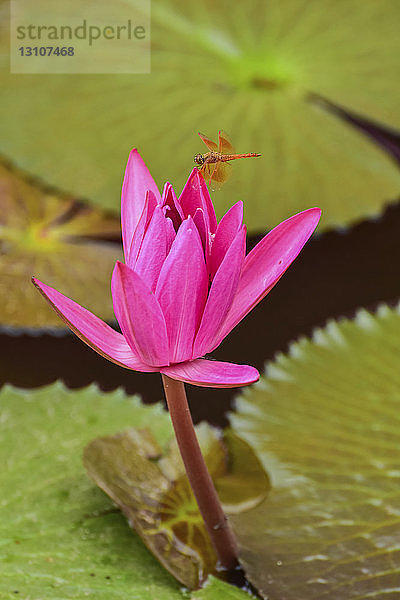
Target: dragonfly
{"x":214,"y":164}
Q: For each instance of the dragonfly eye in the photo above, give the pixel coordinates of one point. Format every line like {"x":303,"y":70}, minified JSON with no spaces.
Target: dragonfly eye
{"x":199,"y":159}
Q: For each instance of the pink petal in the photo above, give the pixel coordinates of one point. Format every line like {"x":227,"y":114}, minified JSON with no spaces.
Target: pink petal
{"x":137,"y":238}
{"x":137,"y":181}
{"x":209,"y":207}
{"x":266,"y":263}
{"x":171,"y":205}
{"x":191,"y":197}
{"x":139,"y":315}
{"x":171,"y":234}
{"x":221,"y":294}
{"x":153,"y":250}
{"x":212,"y":373}
{"x":200,"y":222}
{"x":93,"y":331}
{"x":195,"y":195}
{"x":227,"y":229}
{"x":182,"y":290}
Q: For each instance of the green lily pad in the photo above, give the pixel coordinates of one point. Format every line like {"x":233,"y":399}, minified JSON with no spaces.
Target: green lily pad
{"x":61,"y":538}
{"x":61,"y":240}
{"x":385,"y":137}
{"x":325,"y":423}
{"x":153,"y":492}
{"x":248,"y":70}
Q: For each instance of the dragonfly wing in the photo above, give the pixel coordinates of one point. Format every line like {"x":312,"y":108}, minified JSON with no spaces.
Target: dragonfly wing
{"x":219,"y":174}
{"x":207,"y":171}
{"x":209,"y":143}
{"x":224,"y":143}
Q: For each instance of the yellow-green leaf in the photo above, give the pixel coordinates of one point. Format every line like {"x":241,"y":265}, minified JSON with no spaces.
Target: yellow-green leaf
{"x":57,"y":238}
{"x":246,"y":68}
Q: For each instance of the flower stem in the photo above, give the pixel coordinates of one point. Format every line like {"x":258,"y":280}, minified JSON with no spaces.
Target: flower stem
{"x":216,"y":523}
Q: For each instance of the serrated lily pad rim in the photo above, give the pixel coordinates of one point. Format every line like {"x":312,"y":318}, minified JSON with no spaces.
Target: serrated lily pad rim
{"x":383,"y":309}
{"x":328,"y":337}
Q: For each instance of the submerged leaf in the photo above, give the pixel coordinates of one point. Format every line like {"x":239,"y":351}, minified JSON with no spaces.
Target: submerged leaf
{"x":325,"y":423}
{"x":63,"y":241}
{"x":163,"y":514}
{"x":246,"y":69}
{"x":153,"y":492}
{"x":246,"y":483}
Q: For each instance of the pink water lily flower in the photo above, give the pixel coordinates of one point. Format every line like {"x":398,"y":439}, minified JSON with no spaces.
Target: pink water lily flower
{"x":186,"y":282}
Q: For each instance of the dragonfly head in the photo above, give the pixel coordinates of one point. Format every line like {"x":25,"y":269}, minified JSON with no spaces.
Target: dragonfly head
{"x":199,"y":159}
